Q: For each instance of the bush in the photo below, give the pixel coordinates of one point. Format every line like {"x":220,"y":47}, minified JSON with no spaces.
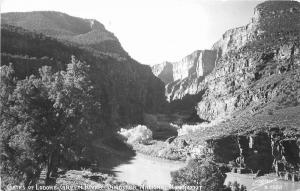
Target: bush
{"x":201,"y":127}
{"x":235,"y":187}
{"x":138,"y":134}
{"x":171,"y":153}
{"x":204,"y":174}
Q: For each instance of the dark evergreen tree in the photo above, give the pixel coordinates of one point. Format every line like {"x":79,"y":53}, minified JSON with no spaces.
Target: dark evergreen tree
{"x":46,"y":122}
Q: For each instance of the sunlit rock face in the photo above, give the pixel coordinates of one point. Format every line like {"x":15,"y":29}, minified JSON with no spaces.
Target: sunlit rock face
{"x":245,"y":67}
{"x":186,"y":76}
{"x":258,"y":65}
{"x":199,"y":63}
{"x":269,"y":17}
{"x":164,"y":71}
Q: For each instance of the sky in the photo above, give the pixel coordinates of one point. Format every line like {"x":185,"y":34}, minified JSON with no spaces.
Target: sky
{"x":153,"y":31}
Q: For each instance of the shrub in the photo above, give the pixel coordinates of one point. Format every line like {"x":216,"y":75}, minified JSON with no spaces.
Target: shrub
{"x":235,"y":187}
{"x":138,"y":134}
{"x":171,"y":153}
{"x":204,"y":174}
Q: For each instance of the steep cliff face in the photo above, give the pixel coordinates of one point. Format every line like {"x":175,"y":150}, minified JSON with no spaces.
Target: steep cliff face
{"x":185,"y":76}
{"x":84,"y":32}
{"x":259,"y":64}
{"x":164,"y":71}
{"x":270,"y":18}
{"x":265,"y":151}
{"x":126,"y":88}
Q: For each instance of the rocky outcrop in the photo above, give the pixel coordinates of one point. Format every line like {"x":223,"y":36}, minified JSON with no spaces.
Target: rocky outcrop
{"x":164,"y":71}
{"x":286,"y":154}
{"x":186,"y":76}
{"x":269,"y":18}
{"x":259,"y":151}
{"x":84,"y":32}
{"x":258,"y":64}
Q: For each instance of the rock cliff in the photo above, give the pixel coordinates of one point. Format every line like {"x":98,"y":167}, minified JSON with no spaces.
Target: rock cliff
{"x":259,"y":64}
{"x":185,"y":76}
{"x":265,"y":142}
{"x":164,"y":71}
{"x":270,"y":18}
{"x":252,"y":95}
{"x":249,"y":68}
{"x":263,"y":151}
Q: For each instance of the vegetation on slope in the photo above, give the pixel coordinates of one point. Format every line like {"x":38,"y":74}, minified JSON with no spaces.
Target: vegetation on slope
{"x":46,"y":121}
{"x":205,"y":175}
{"x":126,"y":88}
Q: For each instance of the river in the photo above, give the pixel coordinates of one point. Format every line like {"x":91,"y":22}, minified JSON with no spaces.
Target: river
{"x":268,"y":182}
{"x":151,"y":171}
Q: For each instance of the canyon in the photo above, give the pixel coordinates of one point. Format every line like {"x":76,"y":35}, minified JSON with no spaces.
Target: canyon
{"x":250,"y":68}
{"x":251,"y":92}
{"x":246,"y":88}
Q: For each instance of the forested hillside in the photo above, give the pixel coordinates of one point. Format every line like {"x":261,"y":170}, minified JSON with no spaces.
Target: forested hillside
{"x":126,"y":88}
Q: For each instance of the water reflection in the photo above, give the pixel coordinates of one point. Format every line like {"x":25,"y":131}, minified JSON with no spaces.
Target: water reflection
{"x":147,"y":170}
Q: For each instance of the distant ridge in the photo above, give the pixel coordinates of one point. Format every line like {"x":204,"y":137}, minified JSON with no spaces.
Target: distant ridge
{"x":86,"y":32}
{"x":185,"y":76}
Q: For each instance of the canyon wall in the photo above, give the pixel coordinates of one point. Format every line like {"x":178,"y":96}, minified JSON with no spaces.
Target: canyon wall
{"x":258,"y":151}
{"x":247,"y":69}
{"x":259,"y":66}
{"x":126,"y":88}
{"x":270,"y":18}
{"x":184,"y":77}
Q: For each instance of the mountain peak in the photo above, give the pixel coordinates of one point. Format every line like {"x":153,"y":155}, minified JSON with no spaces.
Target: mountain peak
{"x":95,"y":25}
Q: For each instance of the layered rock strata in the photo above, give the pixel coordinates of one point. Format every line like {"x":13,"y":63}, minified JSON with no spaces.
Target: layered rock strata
{"x":259,"y":64}
{"x":186,"y":76}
